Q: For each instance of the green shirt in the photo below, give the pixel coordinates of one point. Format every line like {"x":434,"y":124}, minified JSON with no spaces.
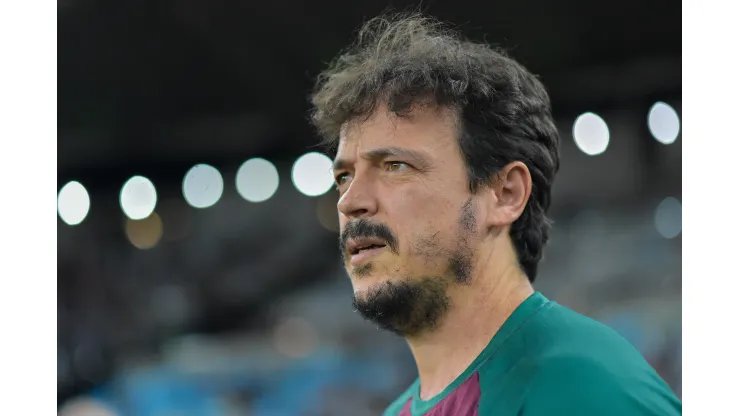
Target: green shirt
{"x":549,"y":360}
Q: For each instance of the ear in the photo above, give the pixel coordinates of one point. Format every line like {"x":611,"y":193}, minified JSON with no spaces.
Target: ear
{"x":508,"y":195}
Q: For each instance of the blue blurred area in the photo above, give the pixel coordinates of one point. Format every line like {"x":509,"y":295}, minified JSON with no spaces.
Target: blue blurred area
{"x":197,"y":377}
{"x":298,"y":388}
{"x":312,"y":355}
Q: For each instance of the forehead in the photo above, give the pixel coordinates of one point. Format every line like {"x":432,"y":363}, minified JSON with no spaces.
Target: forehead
{"x":430,"y":129}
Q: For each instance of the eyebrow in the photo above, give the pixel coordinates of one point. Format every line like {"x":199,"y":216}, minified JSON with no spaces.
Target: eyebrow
{"x":414,"y":156}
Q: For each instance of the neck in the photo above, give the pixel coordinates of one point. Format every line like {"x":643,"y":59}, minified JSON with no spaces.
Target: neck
{"x":477,"y":312}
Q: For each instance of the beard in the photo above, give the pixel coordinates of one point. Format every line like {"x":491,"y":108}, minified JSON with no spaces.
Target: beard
{"x":415,"y":305}
{"x":408,"y":307}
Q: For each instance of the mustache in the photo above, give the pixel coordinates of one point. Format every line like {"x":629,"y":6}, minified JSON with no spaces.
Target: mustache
{"x":366,"y":228}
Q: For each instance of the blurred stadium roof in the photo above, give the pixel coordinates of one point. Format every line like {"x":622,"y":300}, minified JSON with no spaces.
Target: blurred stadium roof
{"x":159,"y":85}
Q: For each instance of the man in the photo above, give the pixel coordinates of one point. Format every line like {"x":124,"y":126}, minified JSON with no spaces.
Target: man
{"x":446,"y":151}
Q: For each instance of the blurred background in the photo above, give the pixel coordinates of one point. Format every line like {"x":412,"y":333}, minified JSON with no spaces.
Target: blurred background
{"x":198,"y":272}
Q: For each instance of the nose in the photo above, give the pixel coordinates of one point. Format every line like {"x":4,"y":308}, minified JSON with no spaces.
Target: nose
{"x":359,"y":200}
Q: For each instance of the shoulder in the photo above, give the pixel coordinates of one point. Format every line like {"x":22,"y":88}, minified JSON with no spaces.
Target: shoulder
{"x":562,"y":332}
{"x":577,"y":384}
{"x":395,"y":408}
{"x":575,"y":365}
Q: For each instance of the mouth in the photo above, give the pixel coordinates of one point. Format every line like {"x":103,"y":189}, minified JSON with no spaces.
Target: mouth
{"x":362,"y":250}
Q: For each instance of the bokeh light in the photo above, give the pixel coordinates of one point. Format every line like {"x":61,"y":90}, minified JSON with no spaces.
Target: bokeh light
{"x":138,"y":198}
{"x":257,"y":180}
{"x":85,"y":406}
{"x":73,"y":203}
{"x":668,"y":217}
{"x":663,"y":123}
{"x":312,"y":174}
{"x":202,"y":186}
{"x":144,"y":234}
{"x":591,"y":134}
{"x":295,"y":337}
{"x":326,"y":211}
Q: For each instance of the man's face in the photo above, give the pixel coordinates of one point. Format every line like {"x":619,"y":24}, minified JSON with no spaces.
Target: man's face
{"x":407,"y":218}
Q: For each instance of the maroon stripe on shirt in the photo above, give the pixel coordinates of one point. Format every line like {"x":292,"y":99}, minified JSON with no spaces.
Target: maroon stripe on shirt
{"x":406,"y":411}
{"x":463,"y":401}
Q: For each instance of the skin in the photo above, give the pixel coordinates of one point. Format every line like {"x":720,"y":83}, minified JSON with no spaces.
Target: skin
{"x":449,"y":276}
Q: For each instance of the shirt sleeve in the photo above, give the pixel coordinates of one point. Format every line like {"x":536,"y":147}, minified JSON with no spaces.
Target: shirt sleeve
{"x":577,"y":386}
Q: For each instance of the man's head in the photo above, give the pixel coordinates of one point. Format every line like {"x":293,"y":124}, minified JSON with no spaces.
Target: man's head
{"x":445,"y":154}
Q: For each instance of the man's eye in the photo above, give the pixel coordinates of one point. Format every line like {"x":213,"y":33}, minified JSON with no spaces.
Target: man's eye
{"x":341,"y":179}
{"x":395,"y":166}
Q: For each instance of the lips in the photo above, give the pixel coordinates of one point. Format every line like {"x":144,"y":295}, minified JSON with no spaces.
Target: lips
{"x":358,"y":245}
{"x":362,"y":249}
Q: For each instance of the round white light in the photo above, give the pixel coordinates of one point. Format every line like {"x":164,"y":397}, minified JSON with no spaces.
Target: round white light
{"x":73,"y":203}
{"x":312,"y":174}
{"x":663,"y":123}
{"x":591,"y":134}
{"x":202,"y":186}
{"x":138,"y":198}
{"x":668,"y":217}
{"x":257,"y":180}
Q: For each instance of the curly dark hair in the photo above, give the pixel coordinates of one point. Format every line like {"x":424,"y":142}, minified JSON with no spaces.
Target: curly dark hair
{"x":503,"y":111}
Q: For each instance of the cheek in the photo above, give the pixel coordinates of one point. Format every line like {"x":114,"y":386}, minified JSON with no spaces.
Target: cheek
{"x":425,"y":219}
{"x":423,"y":211}
{"x":428,"y":234}
{"x":414,"y":204}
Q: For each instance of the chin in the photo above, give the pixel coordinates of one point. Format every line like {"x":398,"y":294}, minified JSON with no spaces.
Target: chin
{"x":366,"y":283}
{"x":369,"y":282}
